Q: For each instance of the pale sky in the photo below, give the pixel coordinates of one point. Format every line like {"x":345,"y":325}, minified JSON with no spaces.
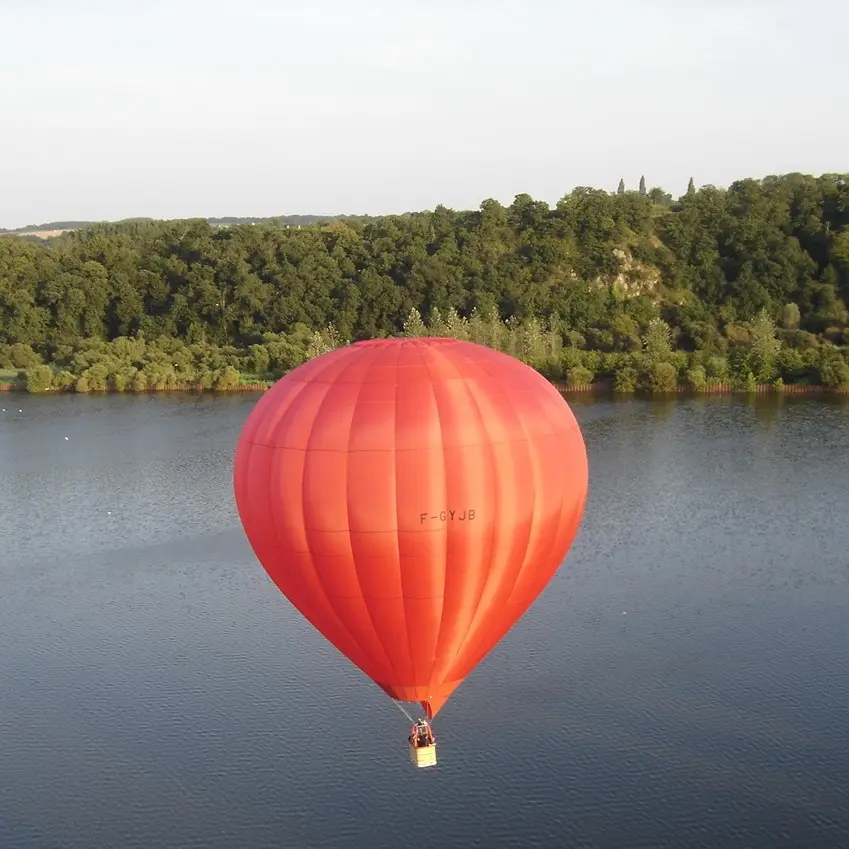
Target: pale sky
{"x":182,"y":108}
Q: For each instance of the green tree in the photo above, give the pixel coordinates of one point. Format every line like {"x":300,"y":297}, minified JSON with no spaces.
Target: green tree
{"x":790,"y":316}
{"x":658,"y":340}
{"x":765,"y":348}
{"x":455,"y":326}
{"x":413,"y":324}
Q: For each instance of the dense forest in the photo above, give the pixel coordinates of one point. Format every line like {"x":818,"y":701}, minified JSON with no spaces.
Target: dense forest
{"x":744,"y":285}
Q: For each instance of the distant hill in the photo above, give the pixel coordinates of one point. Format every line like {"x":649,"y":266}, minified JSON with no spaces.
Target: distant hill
{"x":291,"y":220}
{"x":51,"y":225}
{"x":54,"y":229}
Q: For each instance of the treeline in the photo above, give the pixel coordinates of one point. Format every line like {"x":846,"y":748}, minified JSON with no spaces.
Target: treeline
{"x":745,"y":285}
{"x":52,"y":225}
{"x":227,"y":221}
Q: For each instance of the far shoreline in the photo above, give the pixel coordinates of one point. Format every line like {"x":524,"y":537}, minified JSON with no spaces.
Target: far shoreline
{"x":595,"y":388}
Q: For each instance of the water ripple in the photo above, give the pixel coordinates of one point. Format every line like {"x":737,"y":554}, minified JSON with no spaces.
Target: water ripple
{"x":683,"y":681}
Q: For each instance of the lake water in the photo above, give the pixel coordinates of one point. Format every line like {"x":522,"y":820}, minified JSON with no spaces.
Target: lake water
{"x":683,"y":681}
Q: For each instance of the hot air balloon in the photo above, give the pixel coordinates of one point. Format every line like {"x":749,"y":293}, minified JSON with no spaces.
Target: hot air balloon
{"x":412,"y":498}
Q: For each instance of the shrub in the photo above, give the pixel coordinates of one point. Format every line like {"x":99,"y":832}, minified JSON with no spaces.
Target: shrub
{"x":717,"y":368}
{"x":97,"y":377}
{"x":39,"y":378}
{"x":834,"y":373}
{"x":660,"y":377}
{"x":625,"y":379}
{"x":119,"y":380}
{"x":64,"y":380}
{"x":697,"y":379}
{"x":260,"y":359}
{"x":227,"y":378}
{"x":22,"y":356}
{"x":138,"y":383}
{"x":579,"y":376}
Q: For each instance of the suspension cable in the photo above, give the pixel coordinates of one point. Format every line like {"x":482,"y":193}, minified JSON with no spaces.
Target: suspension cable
{"x":403,"y":710}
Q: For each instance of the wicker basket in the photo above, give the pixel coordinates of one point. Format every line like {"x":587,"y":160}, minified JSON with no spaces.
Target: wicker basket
{"x":422,"y":756}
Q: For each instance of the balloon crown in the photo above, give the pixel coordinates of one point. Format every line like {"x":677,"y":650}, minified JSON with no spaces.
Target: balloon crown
{"x":420,"y":341}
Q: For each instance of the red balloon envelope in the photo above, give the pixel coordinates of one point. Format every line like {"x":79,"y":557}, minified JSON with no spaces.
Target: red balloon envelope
{"x":411,"y":498}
